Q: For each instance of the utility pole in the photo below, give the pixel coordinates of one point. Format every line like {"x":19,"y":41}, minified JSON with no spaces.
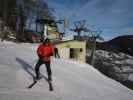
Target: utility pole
{"x":94,"y":35}
{"x":45,"y":31}
{"x":93,"y":49}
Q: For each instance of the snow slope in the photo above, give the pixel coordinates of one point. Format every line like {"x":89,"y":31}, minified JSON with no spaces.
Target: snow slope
{"x":71,"y":80}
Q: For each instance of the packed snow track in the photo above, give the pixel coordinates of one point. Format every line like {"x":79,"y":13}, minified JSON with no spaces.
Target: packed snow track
{"x":71,"y":80}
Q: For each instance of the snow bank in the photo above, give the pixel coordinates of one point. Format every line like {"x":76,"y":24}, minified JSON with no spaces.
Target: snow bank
{"x":6,"y":42}
{"x":116,"y":65}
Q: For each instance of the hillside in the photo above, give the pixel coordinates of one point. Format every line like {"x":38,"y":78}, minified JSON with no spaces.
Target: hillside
{"x":121,"y":44}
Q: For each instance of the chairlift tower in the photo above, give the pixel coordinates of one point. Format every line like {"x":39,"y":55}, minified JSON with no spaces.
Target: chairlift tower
{"x":46,"y":23}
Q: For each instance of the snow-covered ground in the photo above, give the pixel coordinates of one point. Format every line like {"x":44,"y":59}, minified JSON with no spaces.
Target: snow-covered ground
{"x":71,"y":80}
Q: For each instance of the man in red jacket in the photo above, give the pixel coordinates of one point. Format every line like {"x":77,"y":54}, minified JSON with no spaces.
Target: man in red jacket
{"x":44,"y":51}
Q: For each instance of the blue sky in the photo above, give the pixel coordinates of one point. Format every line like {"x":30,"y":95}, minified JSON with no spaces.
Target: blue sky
{"x":113,"y":17}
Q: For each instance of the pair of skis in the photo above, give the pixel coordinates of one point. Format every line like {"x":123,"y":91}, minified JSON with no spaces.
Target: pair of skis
{"x":35,"y":81}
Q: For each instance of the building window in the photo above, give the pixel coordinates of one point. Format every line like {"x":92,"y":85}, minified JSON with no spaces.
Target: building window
{"x":72,"y":54}
{"x":81,"y":50}
{"x":75,"y":52}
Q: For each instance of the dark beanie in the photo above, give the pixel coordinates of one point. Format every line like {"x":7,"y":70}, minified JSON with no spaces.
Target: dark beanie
{"x":47,"y":40}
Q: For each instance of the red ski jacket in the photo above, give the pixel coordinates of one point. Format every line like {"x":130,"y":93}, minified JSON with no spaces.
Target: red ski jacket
{"x":45,"y":51}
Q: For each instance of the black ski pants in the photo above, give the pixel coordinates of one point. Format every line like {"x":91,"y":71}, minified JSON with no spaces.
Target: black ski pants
{"x":37,"y":67}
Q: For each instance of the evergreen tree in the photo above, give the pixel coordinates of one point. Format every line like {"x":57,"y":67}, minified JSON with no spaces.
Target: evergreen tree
{"x":15,"y":13}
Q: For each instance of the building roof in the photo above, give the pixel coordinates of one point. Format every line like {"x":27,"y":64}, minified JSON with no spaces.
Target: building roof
{"x":42,"y":21}
{"x":58,"y":42}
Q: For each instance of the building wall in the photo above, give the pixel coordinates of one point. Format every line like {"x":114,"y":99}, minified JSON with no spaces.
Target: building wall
{"x":52,"y":34}
{"x":79,"y":46}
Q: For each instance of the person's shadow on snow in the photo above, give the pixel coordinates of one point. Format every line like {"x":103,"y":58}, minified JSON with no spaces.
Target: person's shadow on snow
{"x":28,"y":68}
